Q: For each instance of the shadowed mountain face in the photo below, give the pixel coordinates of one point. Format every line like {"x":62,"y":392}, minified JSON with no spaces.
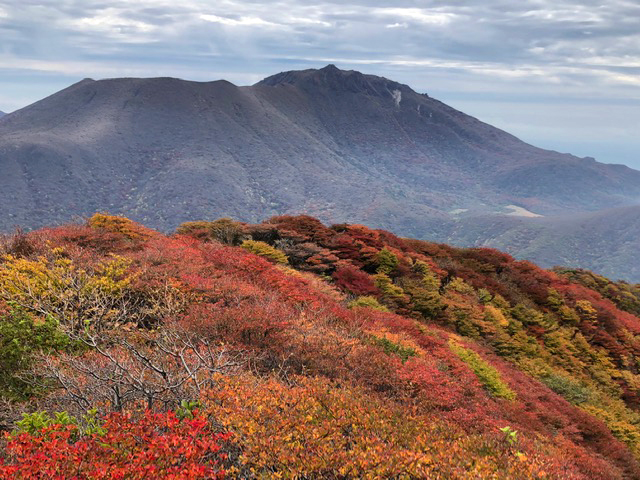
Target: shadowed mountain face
{"x":605,"y":241}
{"x":340,"y":145}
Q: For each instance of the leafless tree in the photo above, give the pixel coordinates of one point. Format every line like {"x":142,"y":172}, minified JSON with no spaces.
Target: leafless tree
{"x":158,"y":368}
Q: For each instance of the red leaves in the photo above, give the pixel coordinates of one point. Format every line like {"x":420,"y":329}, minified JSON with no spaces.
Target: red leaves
{"x":355,"y":281}
{"x":155,"y":446}
{"x":291,"y":322}
{"x":309,"y":227}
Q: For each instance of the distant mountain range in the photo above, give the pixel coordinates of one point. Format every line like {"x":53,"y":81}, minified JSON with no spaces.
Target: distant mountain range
{"x":2,"y":114}
{"x":605,"y":241}
{"x":339,"y":145}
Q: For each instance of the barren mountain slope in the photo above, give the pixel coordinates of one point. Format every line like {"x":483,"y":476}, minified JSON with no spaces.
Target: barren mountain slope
{"x":337,"y":144}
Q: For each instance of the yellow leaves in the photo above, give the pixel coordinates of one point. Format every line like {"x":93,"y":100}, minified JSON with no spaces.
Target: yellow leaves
{"x":568,"y":315}
{"x":586,"y":310}
{"x":495,"y":315}
{"x":624,"y":431}
{"x":53,"y":285}
{"x":51,"y":276}
{"x":314,"y":427}
{"x":111,"y":277}
{"x":119,"y":225}
{"x":265,"y":250}
{"x":460,"y":286}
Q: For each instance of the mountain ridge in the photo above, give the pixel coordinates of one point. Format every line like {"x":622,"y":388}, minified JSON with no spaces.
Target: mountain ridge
{"x":610,"y":245}
{"x":339,"y":145}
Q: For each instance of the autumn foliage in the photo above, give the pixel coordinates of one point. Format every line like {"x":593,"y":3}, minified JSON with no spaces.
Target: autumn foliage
{"x":156,"y":445}
{"x":291,"y":349}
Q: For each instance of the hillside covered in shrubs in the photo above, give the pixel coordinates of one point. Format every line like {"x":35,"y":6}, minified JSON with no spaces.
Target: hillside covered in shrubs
{"x":290,"y":349}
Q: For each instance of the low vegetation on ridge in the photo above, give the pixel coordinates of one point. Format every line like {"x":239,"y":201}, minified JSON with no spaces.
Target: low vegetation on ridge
{"x":289,"y":349}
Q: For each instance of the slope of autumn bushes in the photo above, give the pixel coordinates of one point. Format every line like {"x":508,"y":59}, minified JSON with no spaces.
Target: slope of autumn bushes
{"x":341,"y":352}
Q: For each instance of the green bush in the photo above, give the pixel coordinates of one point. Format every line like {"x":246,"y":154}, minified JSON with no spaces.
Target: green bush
{"x":22,"y":336}
{"x":369,"y":302}
{"x":392,"y":348}
{"x":387,"y":261}
{"x":386,"y":286}
{"x":488,"y":376}
{"x":226,"y":231}
{"x":571,"y":390}
{"x":33,"y":423}
{"x":425,"y":300}
{"x":265,"y":250}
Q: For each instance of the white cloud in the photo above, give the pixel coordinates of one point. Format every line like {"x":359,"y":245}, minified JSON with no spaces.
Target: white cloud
{"x":429,"y":17}
{"x":397,"y":25}
{"x":240,"y":22}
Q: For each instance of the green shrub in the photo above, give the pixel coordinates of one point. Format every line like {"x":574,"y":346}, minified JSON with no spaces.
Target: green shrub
{"x":22,"y":336}
{"x":392,"y":348}
{"x":488,"y":376}
{"x":571,"y":390}
{"x":554,"y":299}
{"x":198,"y":228}
{"x":484,"y":296}
{"x":387,"y":261}
{"x":369,"y":302}
{"x":187,"y":409}
{"x":33,"y":423}
{"x":226,"y":231}
{"x":460,"y":286}
{"x":425,"y":300}
{"x":265,"y":250}
{"x":386,"y":286}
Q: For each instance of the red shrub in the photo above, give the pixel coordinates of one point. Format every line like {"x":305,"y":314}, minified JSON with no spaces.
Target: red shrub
{"x":155,"y":446}
{"x":354,"y":280}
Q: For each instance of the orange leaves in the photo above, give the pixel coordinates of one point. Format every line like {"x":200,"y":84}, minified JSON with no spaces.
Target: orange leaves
{"x":319,"y":429}
{"x":400,"y":401}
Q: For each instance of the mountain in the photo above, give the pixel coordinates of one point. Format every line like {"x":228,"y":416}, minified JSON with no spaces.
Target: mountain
{"x":341,"y":145}
{"x":605,"y":241}
{"x":2,"y":114}
{"x":290,"y":349}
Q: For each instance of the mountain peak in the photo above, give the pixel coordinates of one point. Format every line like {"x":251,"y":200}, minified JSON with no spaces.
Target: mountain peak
{"x":336,"y":143}
{"x":334,"y":79}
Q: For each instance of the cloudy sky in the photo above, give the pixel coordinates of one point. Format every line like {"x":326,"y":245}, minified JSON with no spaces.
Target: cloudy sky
{"x":560,"y":74}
